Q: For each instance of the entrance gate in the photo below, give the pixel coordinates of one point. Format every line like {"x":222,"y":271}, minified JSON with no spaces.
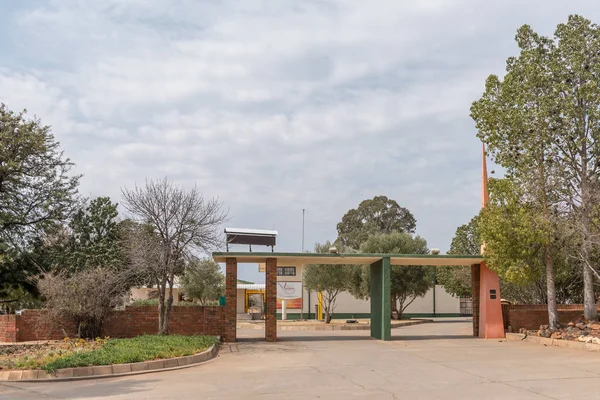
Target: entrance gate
{"x":486,"y":307}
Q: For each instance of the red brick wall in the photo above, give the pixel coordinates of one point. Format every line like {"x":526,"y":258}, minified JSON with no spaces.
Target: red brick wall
{"x":271,"y":300}
{"x":8,"y":328}
{"x":33,"y":326}
{"x":131,"y":322}
{"x":229,"y":316}
{"x":530,"y":316}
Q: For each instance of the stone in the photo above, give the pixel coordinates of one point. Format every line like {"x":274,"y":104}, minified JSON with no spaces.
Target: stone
{"x":64,"y":373}
{"x":556,"y":335}
{"x":594,"y":327}
{"x":137,"y":367}
{"x":544,"y":333}
{"x":103,"y":370}
{"x":580,"y":325}
{"x":510,"y":329}
{"x":121,"y":368}
{"x":156,"y":364}
{"x":83,"y":371}
{"x":543,"y":327}
{"x":585,"y":339}
{"x":571,"y":323}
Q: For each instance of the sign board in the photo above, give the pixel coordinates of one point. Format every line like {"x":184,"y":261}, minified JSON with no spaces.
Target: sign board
{"x":289,"y":290}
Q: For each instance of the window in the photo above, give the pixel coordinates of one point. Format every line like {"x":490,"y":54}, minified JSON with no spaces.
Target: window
{"x":286,"y":271}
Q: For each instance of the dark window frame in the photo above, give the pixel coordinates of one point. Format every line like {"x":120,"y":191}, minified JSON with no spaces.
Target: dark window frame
{"x":286,"y":271}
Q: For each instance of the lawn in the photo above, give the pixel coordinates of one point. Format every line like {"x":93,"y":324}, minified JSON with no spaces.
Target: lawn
{"x":80,"y":353}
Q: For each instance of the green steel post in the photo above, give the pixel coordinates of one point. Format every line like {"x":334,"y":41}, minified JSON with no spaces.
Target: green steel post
{"x":381,"y":310}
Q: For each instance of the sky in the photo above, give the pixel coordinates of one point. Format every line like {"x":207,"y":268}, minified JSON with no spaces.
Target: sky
{"x":272,"y":106}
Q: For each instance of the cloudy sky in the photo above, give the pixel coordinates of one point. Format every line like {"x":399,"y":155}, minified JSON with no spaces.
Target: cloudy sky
{"x":274,"y":106}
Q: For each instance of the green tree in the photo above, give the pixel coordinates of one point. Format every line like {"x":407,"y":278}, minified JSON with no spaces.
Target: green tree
{"x":374,"y":216}
{"x":457,"y":280}
{"x":93,"y":238}
{"x":541,"y":123}
{"x":203,"y":280}
{"x":407,"y":283}
{"x":514,"y":118}
{"x":329,"y":279}
{"x":36,"y":187}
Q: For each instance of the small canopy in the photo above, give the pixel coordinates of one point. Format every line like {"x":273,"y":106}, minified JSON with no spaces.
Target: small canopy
{"x":260,"y":237}
{"x":298,"y":259}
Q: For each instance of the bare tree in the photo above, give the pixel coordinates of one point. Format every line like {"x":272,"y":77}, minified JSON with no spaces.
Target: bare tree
{"x":84,"y":298}
{"x":175,"y":224}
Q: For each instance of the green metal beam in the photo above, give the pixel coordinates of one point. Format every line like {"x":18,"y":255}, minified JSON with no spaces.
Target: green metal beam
{"x":381,"y":311}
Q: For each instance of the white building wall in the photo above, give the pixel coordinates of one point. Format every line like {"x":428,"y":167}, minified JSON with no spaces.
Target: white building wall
{"x":347,"y":304}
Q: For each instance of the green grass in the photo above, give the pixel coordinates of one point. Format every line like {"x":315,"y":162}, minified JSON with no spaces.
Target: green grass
{"x":141,"y":348}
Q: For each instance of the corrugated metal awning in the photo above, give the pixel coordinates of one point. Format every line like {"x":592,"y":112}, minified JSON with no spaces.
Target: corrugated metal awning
{"x":253,"y":286}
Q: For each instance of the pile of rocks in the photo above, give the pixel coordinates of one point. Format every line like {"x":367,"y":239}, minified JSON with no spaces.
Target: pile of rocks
{"x":581,"y":330}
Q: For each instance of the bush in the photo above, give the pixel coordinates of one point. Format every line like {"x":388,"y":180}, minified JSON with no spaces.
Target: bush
{"x":84,"y":297}
{"x":141,"y":348}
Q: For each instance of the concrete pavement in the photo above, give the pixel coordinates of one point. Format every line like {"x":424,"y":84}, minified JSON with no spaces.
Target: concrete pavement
{"x":431,"y":361}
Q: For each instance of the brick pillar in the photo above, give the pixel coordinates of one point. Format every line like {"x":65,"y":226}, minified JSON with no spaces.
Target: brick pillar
{"x":475,"y":280}
{"x":230,"y":314}
{"x":271,"y":311}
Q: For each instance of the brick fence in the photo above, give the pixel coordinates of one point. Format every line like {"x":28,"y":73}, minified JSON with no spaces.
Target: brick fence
{"x":131,"y":322}
{"x":531,"y":316}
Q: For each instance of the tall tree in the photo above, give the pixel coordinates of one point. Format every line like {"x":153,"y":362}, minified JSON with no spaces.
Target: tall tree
{"x":329,"y":280}
{"x":514,"y":117}
{"x":203,"y":280}
{"x":374,"y":216}
{"x":174,"y":224}
{"x":575,"y":112}
{"x":407,"y":283}
{"x":36,"y":187}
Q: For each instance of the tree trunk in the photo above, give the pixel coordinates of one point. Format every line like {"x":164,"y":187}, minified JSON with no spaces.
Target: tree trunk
{"x":168,"y":310}
{"x":589,"y":298}
{"x":162,"y":310}
{"x":553,"y":320}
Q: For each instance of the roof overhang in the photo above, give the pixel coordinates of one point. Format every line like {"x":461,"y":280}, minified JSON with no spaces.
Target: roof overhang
{"x":298,"y":259}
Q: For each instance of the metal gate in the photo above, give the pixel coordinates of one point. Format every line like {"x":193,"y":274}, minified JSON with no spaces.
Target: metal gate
{"x":466,"y":306}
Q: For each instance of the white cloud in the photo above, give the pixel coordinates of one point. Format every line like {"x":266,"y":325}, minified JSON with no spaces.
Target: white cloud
{"x":273,"y":106}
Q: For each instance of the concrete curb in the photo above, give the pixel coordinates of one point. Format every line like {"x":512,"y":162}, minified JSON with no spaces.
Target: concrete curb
{"x":110,"y":371}
{"x":570,"y":344}
{"x":324,"y":327}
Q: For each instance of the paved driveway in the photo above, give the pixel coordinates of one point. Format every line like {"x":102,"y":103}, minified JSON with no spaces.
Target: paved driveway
{"x":431,"y":361}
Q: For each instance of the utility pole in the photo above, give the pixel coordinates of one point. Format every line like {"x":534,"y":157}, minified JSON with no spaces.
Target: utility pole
{"x":302,"y":291}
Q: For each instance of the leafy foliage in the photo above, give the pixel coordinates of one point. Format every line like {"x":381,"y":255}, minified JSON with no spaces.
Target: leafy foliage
{"x":374,"y":216}
{"x":330,"y":280}
{"x":36,"y":189}
{"x":466,"y":241}
{"x":203,"y":280}
{"x":406,"y":282}
{"x":93,"y":238}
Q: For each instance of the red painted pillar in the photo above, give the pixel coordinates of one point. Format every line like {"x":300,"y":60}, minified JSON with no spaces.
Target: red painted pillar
{"x":475,"y":280}
{"x":491,"y":325}
{"x":230,"y":314}
{"x":271,"y":295}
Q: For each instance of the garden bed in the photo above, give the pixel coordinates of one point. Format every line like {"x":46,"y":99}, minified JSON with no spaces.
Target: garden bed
{"x":71,"y":353}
